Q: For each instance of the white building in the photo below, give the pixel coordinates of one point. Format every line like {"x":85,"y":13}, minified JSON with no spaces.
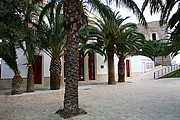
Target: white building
{"x":91,"y":67}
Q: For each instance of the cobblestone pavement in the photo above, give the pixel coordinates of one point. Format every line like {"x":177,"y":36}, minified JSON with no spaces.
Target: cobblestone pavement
{"x":132,"y":100}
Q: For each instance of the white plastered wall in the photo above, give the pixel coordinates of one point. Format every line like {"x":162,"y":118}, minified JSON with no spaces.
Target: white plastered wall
{"x":101,"y":65}
{"x":6,"y":72}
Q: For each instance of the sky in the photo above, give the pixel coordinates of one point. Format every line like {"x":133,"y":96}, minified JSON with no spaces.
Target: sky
{"x":126,"y":12}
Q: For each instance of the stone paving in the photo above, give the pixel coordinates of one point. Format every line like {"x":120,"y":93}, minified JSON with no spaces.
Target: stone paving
{"x":140,"y":99}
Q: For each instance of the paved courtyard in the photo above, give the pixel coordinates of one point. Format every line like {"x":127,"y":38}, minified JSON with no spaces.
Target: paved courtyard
{"x":140,"y":99}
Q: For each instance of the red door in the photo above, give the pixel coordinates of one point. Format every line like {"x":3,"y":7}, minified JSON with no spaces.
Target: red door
{"x":91,"y":66}
{"x":81,"y":66}
{"x":38,"y":70}
{"x":127,"y":68}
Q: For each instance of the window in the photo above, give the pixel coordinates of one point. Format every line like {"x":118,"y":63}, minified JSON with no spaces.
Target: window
{"x":154,"y":36}
{"x":149,"y":65}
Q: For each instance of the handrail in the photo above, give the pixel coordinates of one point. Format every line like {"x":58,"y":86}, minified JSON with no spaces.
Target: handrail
{"x":165,"y":71}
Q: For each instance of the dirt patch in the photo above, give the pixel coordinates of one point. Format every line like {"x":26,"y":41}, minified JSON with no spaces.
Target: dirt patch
{"x":69,"y":114}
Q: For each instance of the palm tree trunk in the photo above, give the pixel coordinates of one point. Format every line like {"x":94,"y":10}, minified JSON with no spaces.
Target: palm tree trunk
{"x":72,"y":22}
{"x":55,"y":73}
{"x":111,"y":74}
{"x":17,"y":84}
{"x":155,"y":61}
{"x":121,"y":70}
{"x":30,"y":79}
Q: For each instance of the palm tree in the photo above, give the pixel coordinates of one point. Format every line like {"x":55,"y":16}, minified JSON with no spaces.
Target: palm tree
{"x":124,"y":40}
{"x":155,"y":5}
{"x":29,"y":43}
{"x":91,"y":40}
{"x":129,"y":41}
{"x":8,"y":54}
{"x":12,"y":30}
{"x":29,"y":46}
{"x":154,"y":49}
{"x":109,"y":29}
{"x":166,"y":8}
{"x":173,"y":24}
{"x":129,"y":4}
{"x":148,"y":49}
{"x":173,"y":46}
{"x":52,"y":40}
{"x":72,"y":10}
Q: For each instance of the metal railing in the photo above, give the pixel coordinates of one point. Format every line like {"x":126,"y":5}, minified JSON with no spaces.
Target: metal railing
{"x":164,"y":71}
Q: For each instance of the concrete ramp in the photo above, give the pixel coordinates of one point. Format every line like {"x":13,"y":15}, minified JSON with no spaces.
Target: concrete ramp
{"x":149,"y":75}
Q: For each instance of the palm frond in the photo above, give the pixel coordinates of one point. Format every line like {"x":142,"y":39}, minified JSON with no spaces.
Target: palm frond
{"x":43,"y":12}
{"x":8,"y":54}
{"x":155,"y":5}
{"x":52,"y":37}
{"x":100,"y":7}
{"x":131,"y":5}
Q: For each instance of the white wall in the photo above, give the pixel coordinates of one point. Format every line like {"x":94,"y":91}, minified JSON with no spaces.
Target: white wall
{"x":116,"y":63}
{"x":46,"y":64}
{"x":6,"y":72}
{"x":176,"y":59}
{"x":101,"y":65}
{"x":148,"y":64}
{"x":140,"y":63}
{"x":136,"y":64}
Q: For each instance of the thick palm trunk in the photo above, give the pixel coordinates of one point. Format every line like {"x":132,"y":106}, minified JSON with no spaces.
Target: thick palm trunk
{"x":121,"y":70}
{"x":17,"y":84}
{"x":111,"y":74}
{"x":55,"y":73}
{"x":72,"y":18}
{"x":30,"y":79}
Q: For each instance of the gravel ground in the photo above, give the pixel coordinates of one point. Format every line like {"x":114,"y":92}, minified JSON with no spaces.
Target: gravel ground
{"x":133,"y":100}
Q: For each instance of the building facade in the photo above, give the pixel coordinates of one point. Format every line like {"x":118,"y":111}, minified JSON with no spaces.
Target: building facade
{"x":92,"y":67}
{"x":156,"y":32}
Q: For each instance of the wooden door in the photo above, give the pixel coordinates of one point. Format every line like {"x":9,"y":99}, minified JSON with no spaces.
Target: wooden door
{"x":91,"y":66}
{"x":38,"y":70}
{"x":127,"y":68}
{"x":81,"y":66}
